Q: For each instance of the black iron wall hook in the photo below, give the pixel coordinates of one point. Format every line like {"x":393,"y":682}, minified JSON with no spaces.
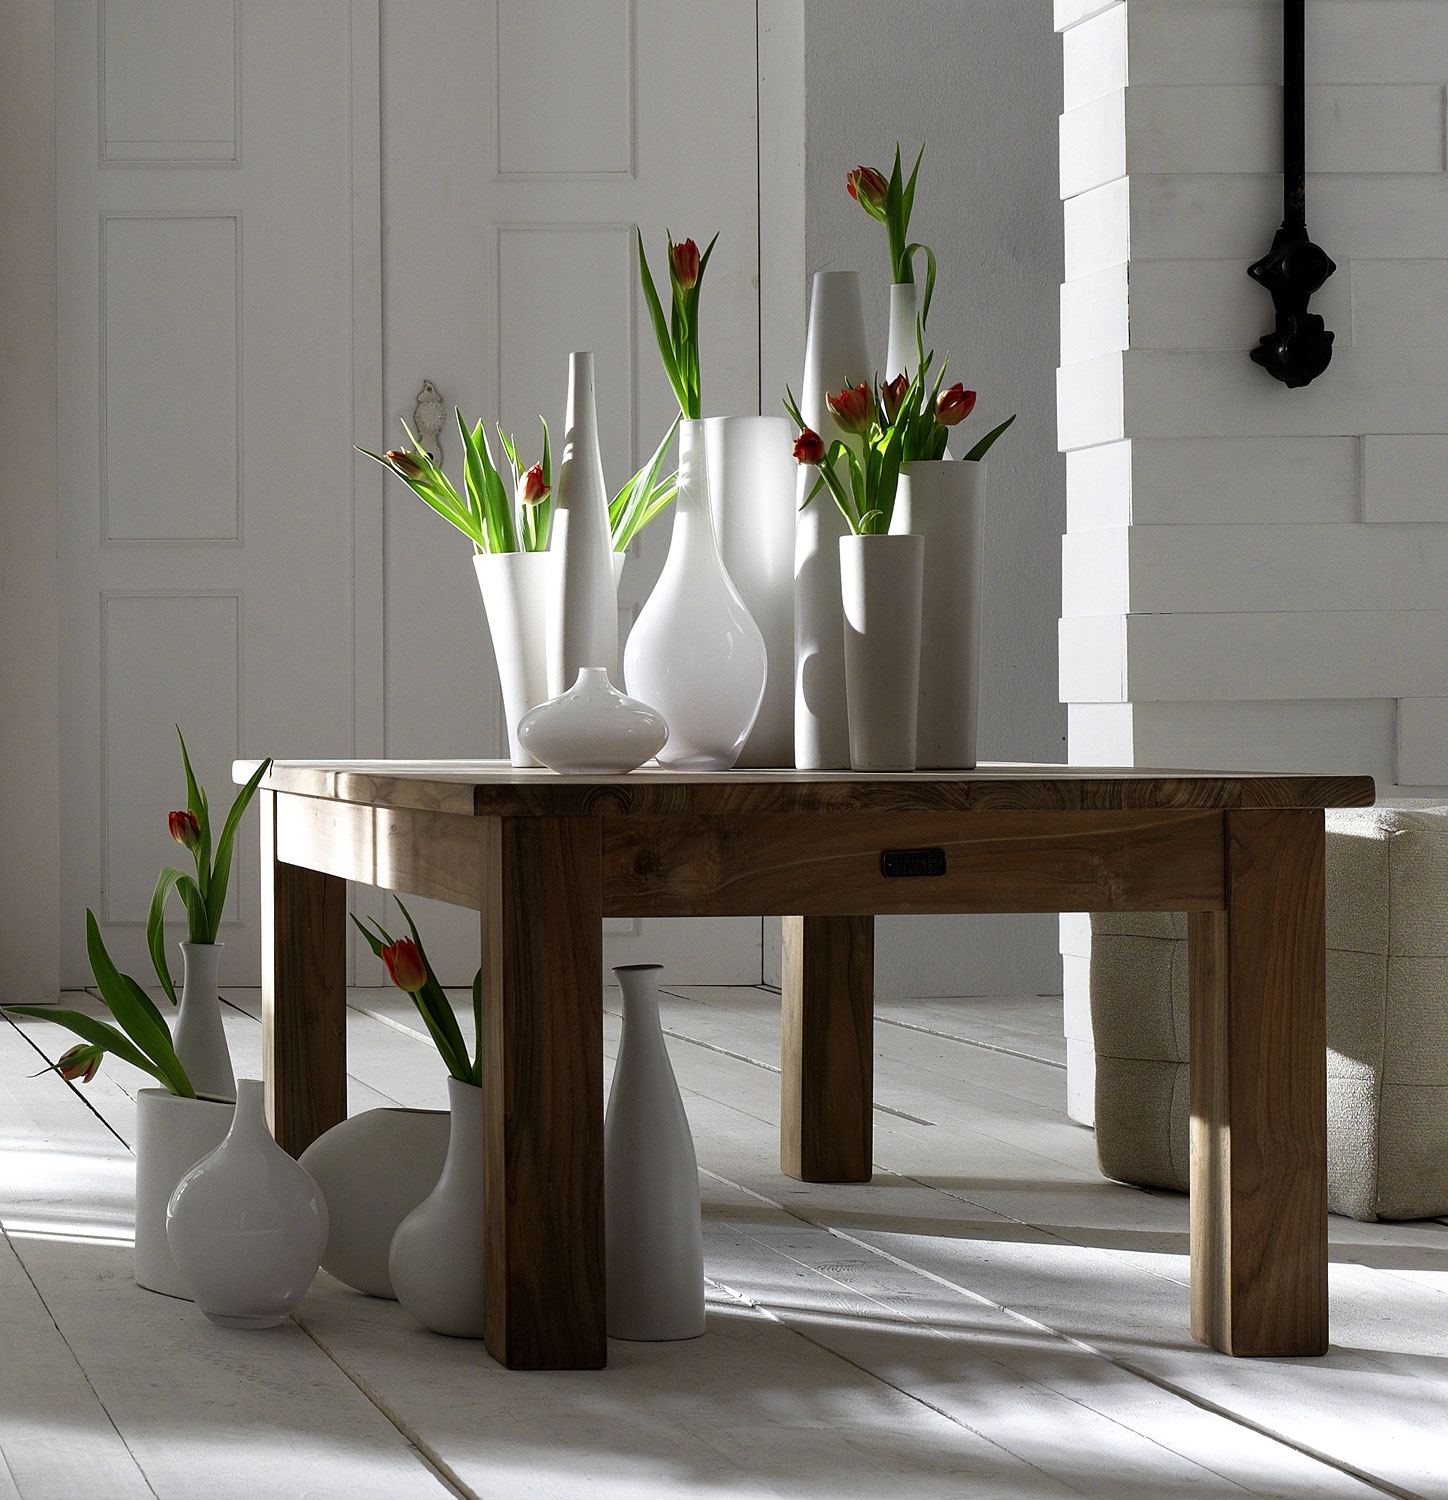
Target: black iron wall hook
{"x":1299,"y":348}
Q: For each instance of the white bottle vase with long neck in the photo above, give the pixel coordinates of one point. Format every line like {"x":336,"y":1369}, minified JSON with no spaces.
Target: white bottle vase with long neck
{"x":695,"y":653}
{"x":902,"y":356}
{"x":583,"y":615}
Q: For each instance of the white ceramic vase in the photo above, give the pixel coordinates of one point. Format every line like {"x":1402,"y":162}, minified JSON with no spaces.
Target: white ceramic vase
{"x":200,"y":1038}
{"x":515,"y":588}
{"x":247,"y":1224}
{"x":902,"y":353}
{"x":837,"y":354}
{"x":652,"y":1227}
{"x":944,"y":502}
{"x":583,"y":598}
{"x":880,"y":581}
{"x":172,"y":1135}
{"x":373,"y":1170}
{"x":752,"y":478}
{"x":695,"y":653}
{"x":593,"y":729}
{"x":436,"y":1260}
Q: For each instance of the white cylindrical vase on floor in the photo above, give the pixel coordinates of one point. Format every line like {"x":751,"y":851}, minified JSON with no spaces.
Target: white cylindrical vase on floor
{"x":652,"y":1227}
{"x":695,"y":653}
{"x":172,"y":1135}
{"x":752,"y":478}
{"x":583,"y":608}
{"x":880,"y":582}
{"x":837,"y":354}
{"x":200,"y":1038}
{"x":944,"y":502}
{"x":436,"y":1260}
{"x":516,"y":587}
{"x":902,"y":352}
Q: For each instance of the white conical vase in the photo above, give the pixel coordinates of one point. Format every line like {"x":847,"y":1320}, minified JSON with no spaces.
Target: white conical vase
{"x":944,"y":502}
{"x":436,"y":1260}
{"x":902,"y":353}
{"x":694,"y":653}
{"x":200,"y":1038}
{"x":247,"y":1224}
{"x":515,"y":587}
{"x":583,"y":599}
{"x":652,"y":1228}
{"x":880,"y":578}
{"x":837,"y":354}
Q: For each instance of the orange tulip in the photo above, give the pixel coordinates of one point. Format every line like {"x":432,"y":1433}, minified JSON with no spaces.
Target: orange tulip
{"x":954,"y":405}
{"x":852,"y":408}
{"x":533,"y":489}
{"x":405,"y":464}
{"x":869,"y":189}
{"x":405,"y":967}
{"x":892,"y":393}
{"x":80,"y":1063}
{"x":184,"y":829}
{"x":809,"y":447}
{"x":685,"y":261}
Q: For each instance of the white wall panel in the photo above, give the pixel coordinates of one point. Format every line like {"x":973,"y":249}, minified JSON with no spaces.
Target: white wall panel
{"x":1090,"y":403}
{"x":1398,"y":304}
{"x":1093,"y":57}
{"x":1098,"y":229}
{"x":1405,"y":478}
{"x":1423,"y":742}
{"x":1072,"y":12}
{"x":1099,"y":487}
{"x":1094,"y":317}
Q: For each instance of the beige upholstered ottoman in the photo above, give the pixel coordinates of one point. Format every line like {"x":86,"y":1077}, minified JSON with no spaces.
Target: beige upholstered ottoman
{"x":1387,"y":1023}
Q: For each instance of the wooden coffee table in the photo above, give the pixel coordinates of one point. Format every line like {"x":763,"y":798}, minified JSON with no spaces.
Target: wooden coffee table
{"x":545,"y":858}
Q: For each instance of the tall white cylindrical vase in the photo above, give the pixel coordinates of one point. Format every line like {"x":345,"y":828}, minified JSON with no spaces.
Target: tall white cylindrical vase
{"x":652,"y":1228}
{"x":515,"y":587}
{"x":837,"y":354}
{"x":200,"y":1038}
{"x":752,"y":477}
{"x":944,"y":502}
{"x":902,"y":352}
{"x":880,"y":580}
{"x":583,"y":607}
{"x":694,"y":653}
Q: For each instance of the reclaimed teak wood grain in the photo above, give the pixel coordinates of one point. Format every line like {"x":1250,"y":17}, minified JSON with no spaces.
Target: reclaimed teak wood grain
{"x":1242,"y":855}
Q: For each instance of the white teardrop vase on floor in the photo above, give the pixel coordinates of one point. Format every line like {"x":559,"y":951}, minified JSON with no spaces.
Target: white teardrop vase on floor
{"x":200,"y":1038}
{"x":902,"y":356}
{"x":436,"y":1260}
{"x":880,"y":584}
{"x":583,"y":599}
{"x":836,"y":354}
{"x":373,"y":1170}
{"x":172,"y":1135}
{"x":652,"y":1227}
{"x":695,"y":653}
{"x":944,"y":502}
{"x":247,"y":1224}
{"x":516,"y":587}
{"x":752,"y":477}
{"x":593,"y":729}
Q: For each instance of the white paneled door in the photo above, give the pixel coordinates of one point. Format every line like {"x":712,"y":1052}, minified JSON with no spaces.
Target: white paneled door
{"x":219,"y":351}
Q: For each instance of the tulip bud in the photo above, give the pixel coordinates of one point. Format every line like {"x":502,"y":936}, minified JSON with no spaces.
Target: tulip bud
{"x":869,"y":189}
{"x":852,"y":407}
{"x":80,"y":1063}
{"x":954,"y":405}
{"x":809,"y":447}
{"x":531,"y":488}
{"x":685,"y":260}
{"x":184,"y":829}
{"x":892,"y":394}
{"x":404,"y":464}
{"x":405,"y":967}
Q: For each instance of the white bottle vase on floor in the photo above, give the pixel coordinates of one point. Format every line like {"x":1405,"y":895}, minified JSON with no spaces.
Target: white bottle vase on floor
{"x":247,"y":1224}
{"x":583,"y":607}
{"x":837,"y":354}
{"x":515,"y":587}
{"x":752,"y":478}
{"x":652,"y":1227}
{"x":944,"y":502}
{"x":172,"y":1135}
{"x":880,"y":579}
{"x":436,"y":1261}
{"x":200,"y":1038}
{"x":902,"y":353}
{"x":694,"y":653}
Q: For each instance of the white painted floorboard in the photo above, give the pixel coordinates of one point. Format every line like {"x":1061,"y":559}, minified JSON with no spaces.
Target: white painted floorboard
{"x":988,"y":1317}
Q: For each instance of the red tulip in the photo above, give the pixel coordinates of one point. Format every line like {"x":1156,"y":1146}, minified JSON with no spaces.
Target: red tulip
{"x":685,"y":260}
{"x":852,"y":407}
{"x":81,"y":1062}
{"x":892,"y":393}
{"x":809,"y":447}
{"x":869,"y":189}
{"x":405,"y":967}
{"x":954,"y":405}
{"x":184,"y":829}
{"x":533,"y":487}
{"x":404,"y":464}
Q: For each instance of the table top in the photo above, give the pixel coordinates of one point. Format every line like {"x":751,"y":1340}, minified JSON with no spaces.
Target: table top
{"x":494,"y":788}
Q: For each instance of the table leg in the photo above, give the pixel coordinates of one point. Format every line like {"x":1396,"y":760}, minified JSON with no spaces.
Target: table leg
{"x":303,"y":993}
{"x":542,"y":942}
{"x":827,"y":1049}
{"x":1259,"y":1093}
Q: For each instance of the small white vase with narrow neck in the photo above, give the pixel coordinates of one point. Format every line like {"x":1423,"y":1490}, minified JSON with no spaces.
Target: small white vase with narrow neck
{"x":902,"y":355}
{"x":247,"y":1224}
{"x":583,"y":607}
{"x":695,"y":653}
{"x":880,"y":584}
{"x":436,"y":1259}
{"x":593,"y":729}
{"x":515,"y":588}
{"x":652,"y":1228}
{"x":200,"y":1038}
